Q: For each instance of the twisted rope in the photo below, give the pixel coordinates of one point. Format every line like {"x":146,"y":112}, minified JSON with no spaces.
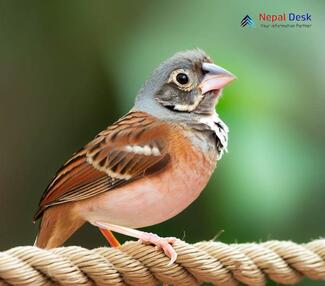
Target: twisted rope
{"x":133,"y":263}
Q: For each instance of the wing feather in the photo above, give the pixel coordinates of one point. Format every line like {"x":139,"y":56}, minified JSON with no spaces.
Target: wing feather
{"x":118,"y":155}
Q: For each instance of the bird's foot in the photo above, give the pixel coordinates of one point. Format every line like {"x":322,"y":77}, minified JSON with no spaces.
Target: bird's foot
{"x":163,"y":243}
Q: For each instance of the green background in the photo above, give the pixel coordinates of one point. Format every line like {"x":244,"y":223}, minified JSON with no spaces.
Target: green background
{"x":70,"y":68}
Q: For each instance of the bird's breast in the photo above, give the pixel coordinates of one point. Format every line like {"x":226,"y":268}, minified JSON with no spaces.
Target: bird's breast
{"x":156,"y":198}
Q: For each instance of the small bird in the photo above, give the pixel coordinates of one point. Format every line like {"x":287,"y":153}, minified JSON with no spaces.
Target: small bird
{"x":149,"y":165}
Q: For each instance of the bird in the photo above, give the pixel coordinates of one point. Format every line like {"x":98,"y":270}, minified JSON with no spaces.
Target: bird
{"x":149,"y":165}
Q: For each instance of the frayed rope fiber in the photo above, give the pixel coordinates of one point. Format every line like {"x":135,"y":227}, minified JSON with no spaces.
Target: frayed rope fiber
{"x":133,"y":263}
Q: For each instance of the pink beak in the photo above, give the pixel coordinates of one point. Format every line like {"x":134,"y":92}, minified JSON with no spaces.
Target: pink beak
{"x":215,"y":79}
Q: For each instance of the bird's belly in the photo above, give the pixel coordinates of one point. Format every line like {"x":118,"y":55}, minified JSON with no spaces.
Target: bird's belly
{"x":152,"y":199}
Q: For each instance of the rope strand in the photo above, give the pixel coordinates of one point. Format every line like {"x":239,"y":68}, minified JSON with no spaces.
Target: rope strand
{"x":133,"y":263}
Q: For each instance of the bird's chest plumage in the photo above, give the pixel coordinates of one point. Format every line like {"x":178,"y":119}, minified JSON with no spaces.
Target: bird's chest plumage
{"x":156,"y":198}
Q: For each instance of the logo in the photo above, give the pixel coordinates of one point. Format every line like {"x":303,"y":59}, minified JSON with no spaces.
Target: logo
{"x":247,"y":21}
{"x":282,"y":20}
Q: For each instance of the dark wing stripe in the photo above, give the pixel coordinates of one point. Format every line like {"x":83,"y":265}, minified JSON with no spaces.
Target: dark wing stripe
{"x":66,"y":177}
{"x":86,"y":189}
{"x":90,"y":191}
{"x":75,"y":161}
{"x":67,"y":180}
{"x":135,"y":166}
{"x":114,"y":160}
{"x":133,"y":163}
{"x":62,"y":174}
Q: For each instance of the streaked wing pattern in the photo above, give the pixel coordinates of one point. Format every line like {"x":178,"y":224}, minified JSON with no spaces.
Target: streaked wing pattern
{"x":133,"y":147}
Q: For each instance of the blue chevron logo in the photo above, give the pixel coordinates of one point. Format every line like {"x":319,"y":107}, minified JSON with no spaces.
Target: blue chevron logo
{"x":247,"y":21}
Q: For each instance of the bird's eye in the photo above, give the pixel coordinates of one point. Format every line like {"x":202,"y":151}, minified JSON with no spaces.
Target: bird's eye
{"x":182,"y":78}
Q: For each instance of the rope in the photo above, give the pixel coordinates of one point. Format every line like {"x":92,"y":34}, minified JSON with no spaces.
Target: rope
{"x":133,"y":263}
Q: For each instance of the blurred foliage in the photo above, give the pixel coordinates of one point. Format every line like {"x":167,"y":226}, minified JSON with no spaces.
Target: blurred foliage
{"x":70,"y":68}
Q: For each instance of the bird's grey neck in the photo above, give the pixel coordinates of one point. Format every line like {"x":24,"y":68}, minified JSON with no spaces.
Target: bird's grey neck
{"x":150,"y":105}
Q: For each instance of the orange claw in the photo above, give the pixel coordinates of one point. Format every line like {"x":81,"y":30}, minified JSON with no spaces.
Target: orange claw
{"x":113,"y":242}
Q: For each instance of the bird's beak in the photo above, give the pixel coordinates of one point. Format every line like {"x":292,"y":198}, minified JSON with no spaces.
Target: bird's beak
{"x":215,"y":78}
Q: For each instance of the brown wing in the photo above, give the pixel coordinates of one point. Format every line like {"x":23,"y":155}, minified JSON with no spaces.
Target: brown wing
{"x":133,"y":147}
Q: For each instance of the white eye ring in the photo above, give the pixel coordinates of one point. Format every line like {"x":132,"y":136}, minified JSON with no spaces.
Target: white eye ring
{"x":173,"y":78}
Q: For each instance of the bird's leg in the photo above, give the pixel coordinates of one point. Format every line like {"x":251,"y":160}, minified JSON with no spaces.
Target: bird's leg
{"x":164,"y":243}
{"x":112,"y":240}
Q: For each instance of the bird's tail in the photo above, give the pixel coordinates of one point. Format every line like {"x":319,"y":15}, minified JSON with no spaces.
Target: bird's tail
{"x":57,"y":225}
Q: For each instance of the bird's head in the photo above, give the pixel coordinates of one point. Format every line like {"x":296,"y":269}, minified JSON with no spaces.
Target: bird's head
{"x":188,"y":82}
